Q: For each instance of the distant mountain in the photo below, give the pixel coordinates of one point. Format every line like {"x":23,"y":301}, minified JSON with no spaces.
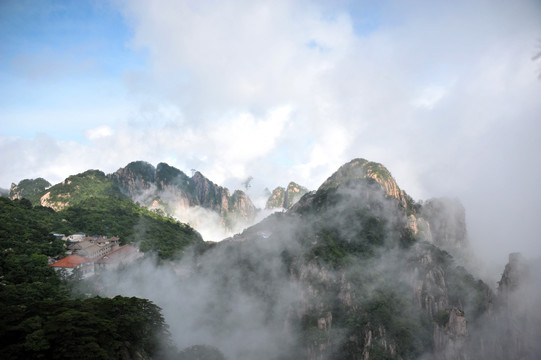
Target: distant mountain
{"x":353,"y":270}
{"x":282,"y":198}
{"x":172,"y":191}
{"x":28,"y":188}
{"x":164,"y":189}
{"x":77,"y":188}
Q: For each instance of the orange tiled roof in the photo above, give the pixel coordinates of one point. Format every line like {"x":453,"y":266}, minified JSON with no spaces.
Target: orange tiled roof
{"x":71,"y":261}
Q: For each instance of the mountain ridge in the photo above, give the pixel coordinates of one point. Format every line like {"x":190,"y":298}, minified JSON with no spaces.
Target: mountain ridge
{"x":355,"y":269}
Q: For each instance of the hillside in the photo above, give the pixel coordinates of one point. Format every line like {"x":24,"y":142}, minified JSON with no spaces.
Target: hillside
{"x":28,"y":188}
{"x":352,"y":271}
{"x":172,"y":191}
{"x":163,"y":189}
{"x":284,"y":198}
{"x":38,"y":319}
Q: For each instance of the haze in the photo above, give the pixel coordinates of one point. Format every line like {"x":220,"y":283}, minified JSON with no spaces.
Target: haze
{"x":445,"y":94}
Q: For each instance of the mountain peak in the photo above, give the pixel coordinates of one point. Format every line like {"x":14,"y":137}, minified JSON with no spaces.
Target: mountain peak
{"x":362,"y":169}
{"x":285,"y":198}
{"x":28,"y":188}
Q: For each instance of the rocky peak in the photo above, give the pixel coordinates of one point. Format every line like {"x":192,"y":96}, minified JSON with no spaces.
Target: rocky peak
{"x":173,"y":191}
{"x":276,"y":199}
{"x":515,"y":273}
{"x":447,"y":220}
{"x":28,"y":188}
{"x":167,"y":175}
{"x":358,"y":169}
{"x":285,"y":198}
{"x":136,"y":177}
{"x":210,"y":195}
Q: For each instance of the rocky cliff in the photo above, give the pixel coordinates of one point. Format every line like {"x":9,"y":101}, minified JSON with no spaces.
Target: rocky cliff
{"x":511,"y":330}
{"x":163,"y":188}
{"x":370,"y":284}
{"x":282,"y":198}
{"x":447,"y":220}
{"x":28,"y":188}
{"x":171,"y":190}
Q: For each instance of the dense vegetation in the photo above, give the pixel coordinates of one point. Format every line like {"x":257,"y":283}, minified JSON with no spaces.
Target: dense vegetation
{"x":347,"y":248}
{"x":133,"y":224}
{"x":29,"y":188}
{"x":77,"y":188}
{"x":39,"y":320}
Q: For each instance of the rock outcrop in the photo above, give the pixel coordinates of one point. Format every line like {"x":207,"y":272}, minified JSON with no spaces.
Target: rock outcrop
{"x":512,"y":330}
{"x":359,"y":169}
{"x":28,"y":188}
{"x":281,"y":198}
{"x":135,"y":179}
{"x":447,"y":220}
{"x":77,"y":188}
{"x":171,"y":190}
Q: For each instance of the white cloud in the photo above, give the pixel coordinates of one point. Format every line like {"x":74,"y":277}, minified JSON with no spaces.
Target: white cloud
{"x":429,"y":97}
{"x":288,"y":90}
{"x":103,"y":131}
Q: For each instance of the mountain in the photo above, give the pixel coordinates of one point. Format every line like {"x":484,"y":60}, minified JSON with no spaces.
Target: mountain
{"x":172,"y":191}
{"x":164,"y":189}
{"x":353,"y":270}
{"x":28,"y":188}
{"x":282,"y":198}
{"x":77,"y":188}
{"x":38,"y":318}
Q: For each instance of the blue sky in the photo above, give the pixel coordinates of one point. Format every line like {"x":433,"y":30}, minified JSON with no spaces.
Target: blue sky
{"x":445,"y":94}
{"x":62,"y":66}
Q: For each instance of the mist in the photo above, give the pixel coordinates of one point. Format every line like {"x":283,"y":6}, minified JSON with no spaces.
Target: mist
{"x":287,"y":287}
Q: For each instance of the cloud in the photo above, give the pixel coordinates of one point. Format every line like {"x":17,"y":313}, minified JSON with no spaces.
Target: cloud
{"x":99,"y":132}
{"x":429,"y":97}
{"x":445,"y":95}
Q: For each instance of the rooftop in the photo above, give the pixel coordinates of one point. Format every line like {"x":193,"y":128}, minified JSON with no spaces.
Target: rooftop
{"x":71,"y":261}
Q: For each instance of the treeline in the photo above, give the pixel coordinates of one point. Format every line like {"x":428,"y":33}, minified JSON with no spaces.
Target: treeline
{"x":26,"y":229}
{"x":38,"y":319}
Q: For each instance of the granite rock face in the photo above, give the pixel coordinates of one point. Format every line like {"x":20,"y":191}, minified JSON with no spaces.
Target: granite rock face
{"x":282,"y":198}
{"x":28,"y":188}
{"x":447,"y":220}
{"x":171,"y":190}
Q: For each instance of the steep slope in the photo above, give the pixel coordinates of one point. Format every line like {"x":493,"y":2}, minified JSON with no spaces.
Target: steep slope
{"x":511,"y":329}
{"x":28,"y":189}
{"x":173,"y":192}
{"x":77,"y":188}
{"x":447,"y":222}
{"x":341,"y":275}
{"x":281,"y":198}
{"x":135,"y":179}
{"x":37,"y":318}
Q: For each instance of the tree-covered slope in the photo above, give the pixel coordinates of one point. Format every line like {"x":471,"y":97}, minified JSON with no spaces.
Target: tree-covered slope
{"x":77,"y":188}
{"x":343,"y":274}
{"x":39,"y":320}
{"x":28,"y":188}
{"x":133,"y":224}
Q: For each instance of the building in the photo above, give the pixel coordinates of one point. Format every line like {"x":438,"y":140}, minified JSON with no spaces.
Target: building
{"x":75,"y":265}
{"x":94,"y":247}
{"x":121,"y":256}
{"x":77,"y":237}
{"x":92,"y":253}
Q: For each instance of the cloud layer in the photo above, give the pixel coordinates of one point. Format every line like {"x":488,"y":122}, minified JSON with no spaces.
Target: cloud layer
{"x":446,"y":95}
